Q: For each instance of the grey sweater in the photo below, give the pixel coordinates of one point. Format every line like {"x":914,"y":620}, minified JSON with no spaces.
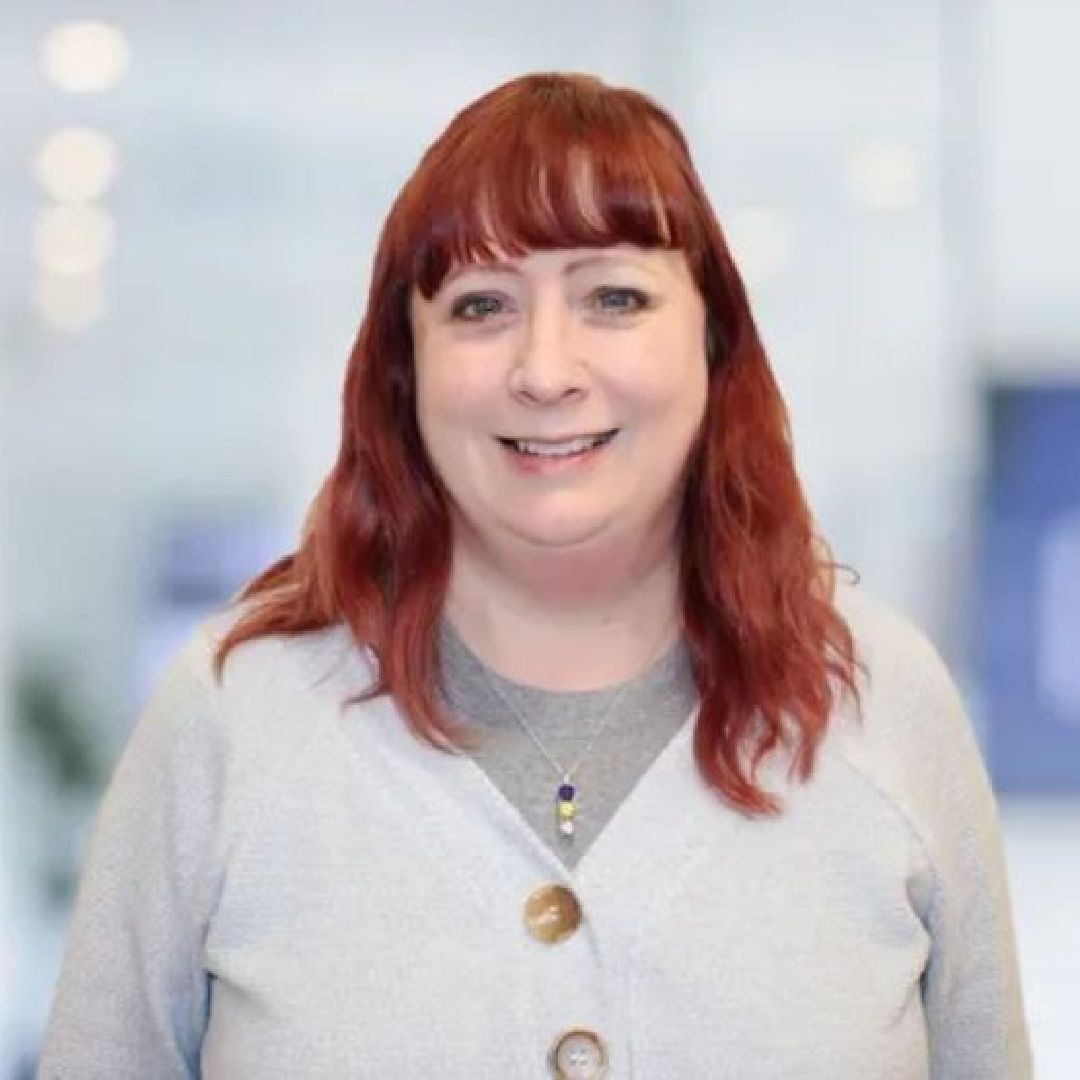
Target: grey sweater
{"x":278,"y":887}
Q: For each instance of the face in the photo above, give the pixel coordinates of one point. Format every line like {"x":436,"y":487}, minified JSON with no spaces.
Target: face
{"x":558,"y":394}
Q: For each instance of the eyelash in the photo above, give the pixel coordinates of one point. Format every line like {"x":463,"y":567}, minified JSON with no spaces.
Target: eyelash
{"x":460,"y":308}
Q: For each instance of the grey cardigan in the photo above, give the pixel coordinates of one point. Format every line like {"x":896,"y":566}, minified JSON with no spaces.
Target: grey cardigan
{"x":278,"y":887}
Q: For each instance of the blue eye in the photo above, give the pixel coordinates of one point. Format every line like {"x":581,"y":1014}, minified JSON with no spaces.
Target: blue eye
{"x":619,"y":301}
{"x":474,"y":307}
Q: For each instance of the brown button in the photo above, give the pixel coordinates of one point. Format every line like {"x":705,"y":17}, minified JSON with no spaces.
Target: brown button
{"x":552,"y":914}
{"x":579,"y":1055}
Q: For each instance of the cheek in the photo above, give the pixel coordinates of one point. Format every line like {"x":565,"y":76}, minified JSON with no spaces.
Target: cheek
{"x":665,"y":381}
{"x":450,"y":393}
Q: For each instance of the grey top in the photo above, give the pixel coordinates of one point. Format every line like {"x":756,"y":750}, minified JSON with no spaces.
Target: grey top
{"x":638,"y":720}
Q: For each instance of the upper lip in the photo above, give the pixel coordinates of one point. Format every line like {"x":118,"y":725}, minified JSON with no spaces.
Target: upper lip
{"x":558,"y":438}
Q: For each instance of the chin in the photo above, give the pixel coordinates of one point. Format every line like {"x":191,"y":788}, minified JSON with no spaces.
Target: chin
{"x":562,"y":535}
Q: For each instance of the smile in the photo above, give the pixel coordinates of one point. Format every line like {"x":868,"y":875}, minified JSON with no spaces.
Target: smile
{"x":558,"y":448}
{"x":555,"y":458}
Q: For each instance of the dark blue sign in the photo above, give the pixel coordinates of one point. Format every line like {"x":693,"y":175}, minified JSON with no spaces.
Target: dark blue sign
{"x":1028,"y":628}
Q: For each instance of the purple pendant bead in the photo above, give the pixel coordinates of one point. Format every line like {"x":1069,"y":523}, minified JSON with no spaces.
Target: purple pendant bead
{"x":566,"y":792}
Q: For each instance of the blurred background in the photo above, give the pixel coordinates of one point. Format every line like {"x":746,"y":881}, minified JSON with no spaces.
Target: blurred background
{"x":190,"y":199}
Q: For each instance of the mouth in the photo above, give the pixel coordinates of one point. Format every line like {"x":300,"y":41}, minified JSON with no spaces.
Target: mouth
{"x":567,"y":446}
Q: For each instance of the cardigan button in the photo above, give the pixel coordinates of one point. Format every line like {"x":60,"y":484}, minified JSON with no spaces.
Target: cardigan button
{"x":552,"y":914}
{"x":579,"y":1055}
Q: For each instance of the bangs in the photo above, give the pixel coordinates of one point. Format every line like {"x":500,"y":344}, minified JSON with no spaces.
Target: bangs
{"x":585,"y":166}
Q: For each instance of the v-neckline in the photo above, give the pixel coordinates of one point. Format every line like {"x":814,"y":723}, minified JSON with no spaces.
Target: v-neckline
{"x":615,"y":824}
{"x":478,"y":694}
{"x":669,"y":814}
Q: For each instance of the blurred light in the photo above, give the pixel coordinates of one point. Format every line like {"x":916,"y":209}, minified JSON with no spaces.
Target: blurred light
{"x":884,"y":174}
{"x":84,"y":56}
{"x":70,"y":302}
{"x":74,"y":239}
{"x":759,"y":242}
{"x":76,"y":164}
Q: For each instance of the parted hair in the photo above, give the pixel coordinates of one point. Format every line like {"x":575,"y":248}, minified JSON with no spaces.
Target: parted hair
{"x":557,"y":161}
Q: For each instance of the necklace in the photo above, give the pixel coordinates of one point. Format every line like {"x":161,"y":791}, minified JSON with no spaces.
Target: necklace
{"x":566,"y":803}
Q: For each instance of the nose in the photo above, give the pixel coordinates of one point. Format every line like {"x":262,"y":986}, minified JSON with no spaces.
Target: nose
{"x":547,"y":365}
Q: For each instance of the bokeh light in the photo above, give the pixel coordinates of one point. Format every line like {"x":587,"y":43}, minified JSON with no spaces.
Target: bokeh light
{"x":74,"y":239}
{"x":85,"y":56}
{"x":69,"y":302}
{"x":76,"y":164}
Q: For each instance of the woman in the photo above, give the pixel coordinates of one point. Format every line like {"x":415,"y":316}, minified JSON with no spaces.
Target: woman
{"x":556,"y":748}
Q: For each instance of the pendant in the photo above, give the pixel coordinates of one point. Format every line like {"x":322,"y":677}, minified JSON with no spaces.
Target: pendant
{"x":565,"y":810}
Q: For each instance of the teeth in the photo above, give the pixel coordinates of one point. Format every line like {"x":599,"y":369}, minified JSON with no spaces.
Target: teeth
{"x":563,"y":449}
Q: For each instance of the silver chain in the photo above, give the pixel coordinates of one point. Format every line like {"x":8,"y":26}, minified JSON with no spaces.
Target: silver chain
{"x":566,"y":775}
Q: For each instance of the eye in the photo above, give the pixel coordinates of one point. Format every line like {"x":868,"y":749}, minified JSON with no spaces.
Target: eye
{"x":612,"y":300}
{"x":475,"y":307}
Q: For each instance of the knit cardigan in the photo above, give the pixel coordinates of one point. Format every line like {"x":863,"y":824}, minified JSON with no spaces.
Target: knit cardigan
{"x":278,"y":886}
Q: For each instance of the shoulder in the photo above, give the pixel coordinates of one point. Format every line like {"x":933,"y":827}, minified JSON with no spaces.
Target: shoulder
{"x":906,"y":685}
{"x":891,"y":646}
{"x":913,"y":740}
{"x":274,"y":694}
{"x":269,"y":665}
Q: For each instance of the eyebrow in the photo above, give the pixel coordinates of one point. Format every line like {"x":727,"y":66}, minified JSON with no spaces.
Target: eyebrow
{"x":509,"y":268}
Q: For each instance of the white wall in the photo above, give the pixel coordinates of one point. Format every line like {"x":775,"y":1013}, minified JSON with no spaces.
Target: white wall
{"x":1031,"y":193}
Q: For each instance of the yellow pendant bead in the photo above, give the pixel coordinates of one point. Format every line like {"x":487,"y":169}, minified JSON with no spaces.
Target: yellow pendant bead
{"x":565,"y":809}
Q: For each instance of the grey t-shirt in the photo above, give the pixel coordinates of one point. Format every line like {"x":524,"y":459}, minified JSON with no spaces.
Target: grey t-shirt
{"x":637,"y":720}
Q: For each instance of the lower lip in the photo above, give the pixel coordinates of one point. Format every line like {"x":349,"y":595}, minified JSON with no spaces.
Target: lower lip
{"x":540,"y":465}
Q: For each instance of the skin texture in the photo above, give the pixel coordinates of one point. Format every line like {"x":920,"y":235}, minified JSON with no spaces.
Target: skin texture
{"x":568,"y":580}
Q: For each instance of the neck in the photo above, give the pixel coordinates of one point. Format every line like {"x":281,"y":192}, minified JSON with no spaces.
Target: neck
{"x":569,"y":619}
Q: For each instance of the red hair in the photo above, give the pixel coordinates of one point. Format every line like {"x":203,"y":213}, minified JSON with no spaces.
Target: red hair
{"x":557,"y":161}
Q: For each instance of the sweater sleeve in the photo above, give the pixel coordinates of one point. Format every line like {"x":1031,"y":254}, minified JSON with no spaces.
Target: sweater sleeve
{"x":971,"y":984}
{"x":132,"y":998}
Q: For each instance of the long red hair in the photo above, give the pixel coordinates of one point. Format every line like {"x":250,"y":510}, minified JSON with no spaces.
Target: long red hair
{"x":769,"y":650}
